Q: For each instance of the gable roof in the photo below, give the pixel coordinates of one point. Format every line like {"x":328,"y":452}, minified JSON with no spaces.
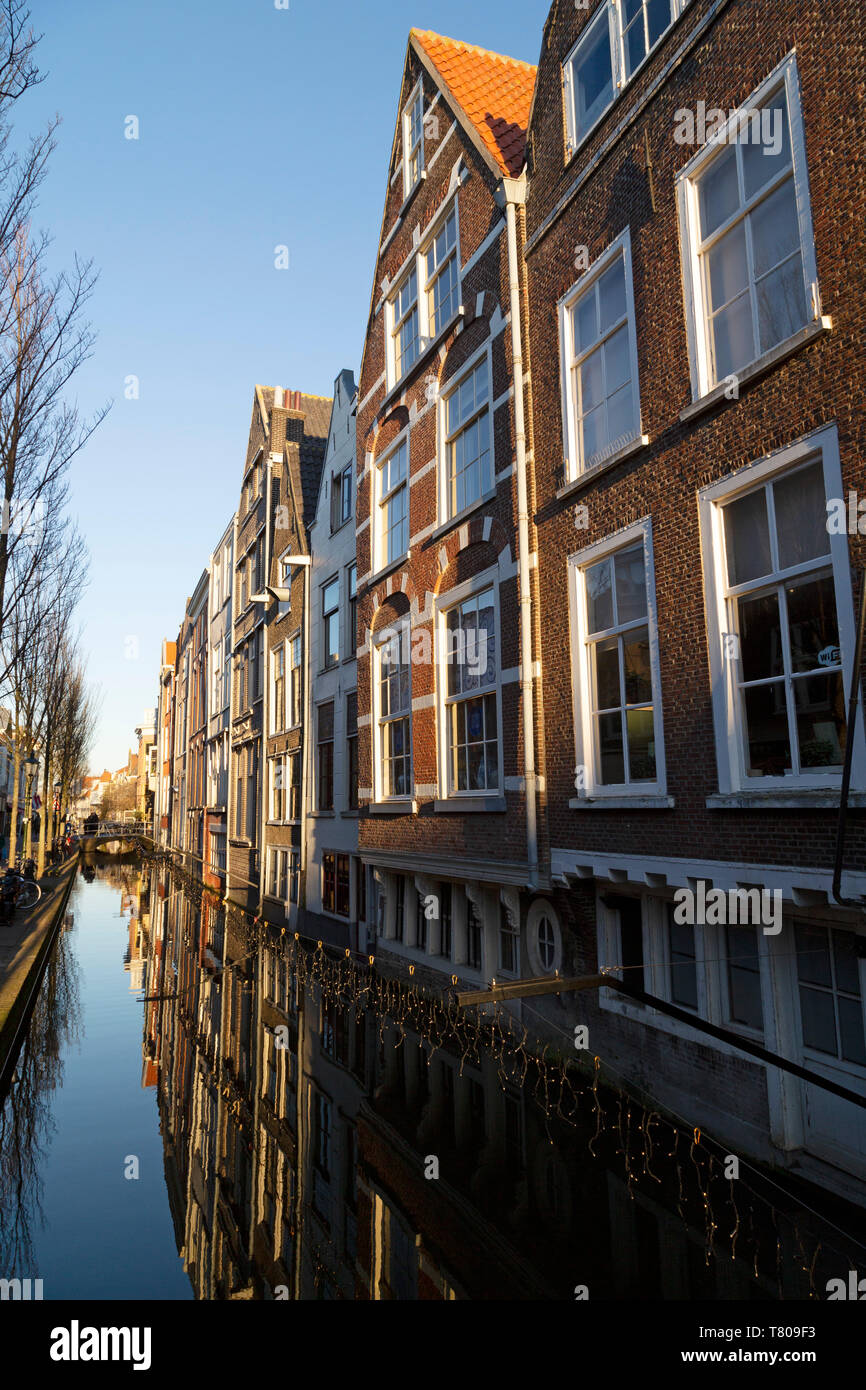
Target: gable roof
{"x":491,"y":92}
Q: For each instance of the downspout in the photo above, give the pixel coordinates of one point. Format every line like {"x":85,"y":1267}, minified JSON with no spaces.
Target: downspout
{"x":515,"y":194}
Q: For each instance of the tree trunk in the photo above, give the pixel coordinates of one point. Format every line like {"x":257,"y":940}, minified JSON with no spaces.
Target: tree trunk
{"x":43,"y":823}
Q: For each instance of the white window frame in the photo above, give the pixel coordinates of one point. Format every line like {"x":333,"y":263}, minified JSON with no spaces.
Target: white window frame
{"x":417,"y":262}
{"x":275,"y":764}
{"x":429,"y":331}
{"x":278,"y":650}
{"x":711,"y":968}
{"x":295,"y":637}
{"x":823,"y":444}
{"x":697,"y":326}
{"x":619,"y":79}
{"x":278,"y":871}
{"x":329,"y":660}
{"x":417,"y":95}
{"x":581,"y":667}
{"x":472,"y":363}
{"x":575,"y":465}
{"x":380,"y":499}
{"x":487,"y":579}
{"x":401,"y":632}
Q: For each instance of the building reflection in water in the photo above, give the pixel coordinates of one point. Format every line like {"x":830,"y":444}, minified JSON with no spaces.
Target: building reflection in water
{"x":333,"y":1134}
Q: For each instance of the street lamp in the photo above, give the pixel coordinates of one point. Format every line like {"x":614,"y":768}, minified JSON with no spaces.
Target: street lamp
{"x":58,"y":788}
{"x":31,"y":763}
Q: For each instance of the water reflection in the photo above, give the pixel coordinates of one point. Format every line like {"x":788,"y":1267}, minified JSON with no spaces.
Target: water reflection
{"x":330,"y":1133}
{"x":26,"y":1119}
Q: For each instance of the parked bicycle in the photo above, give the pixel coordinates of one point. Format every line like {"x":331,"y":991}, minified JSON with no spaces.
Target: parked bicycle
{"x":18,"y":888}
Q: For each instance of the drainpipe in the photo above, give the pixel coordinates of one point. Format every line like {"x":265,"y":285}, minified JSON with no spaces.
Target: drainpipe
{"x":514,"y":191}
{"x":853,"y":702}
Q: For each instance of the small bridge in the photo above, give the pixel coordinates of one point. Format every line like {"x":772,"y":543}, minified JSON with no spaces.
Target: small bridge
{"x":107,"y":830}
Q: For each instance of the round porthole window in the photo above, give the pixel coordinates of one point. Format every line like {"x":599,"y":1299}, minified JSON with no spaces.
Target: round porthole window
{"x":543,"y":937}
{"x":546,"y":943}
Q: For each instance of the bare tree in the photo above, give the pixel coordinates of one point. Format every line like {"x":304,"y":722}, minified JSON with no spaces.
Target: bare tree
{"x":43,"y":336}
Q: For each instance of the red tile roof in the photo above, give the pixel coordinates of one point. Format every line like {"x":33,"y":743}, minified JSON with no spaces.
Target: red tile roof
{"x":493,"y":91}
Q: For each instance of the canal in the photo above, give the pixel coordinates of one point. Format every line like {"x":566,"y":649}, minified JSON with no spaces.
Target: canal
{"x":207,"y":1108}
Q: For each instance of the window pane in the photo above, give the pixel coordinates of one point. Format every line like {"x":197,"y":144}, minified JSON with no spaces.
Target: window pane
{"x":621,"y":416}
{"x":764,"y":158}
{"x":610,"y":759}
{"x":591,"y":381}
{"x":801,"y":516}
{"x":617,"y":367}
{"x":781,"y":303}
{"x":599,"y":598}
{"x":851,"y":1031}
{"x":611,"y":294}
{"x":718,"y":193}
{"x":821,"y":723}
{"x":744,"y":980}
{"x":636,"y":667}
{"x":813,"y":956}
{"x":684,"y":973}
{"x":641,"y":745}
{"x":775,"y":233}
{"x":630,"y":584}
{"x":813,"y":624}
{"x":747,"y":538}
{"x":727,"y":267}
{"x":846,"y":961}
{"x":733,"y":338}
{"x":592,"y":75}
{"x":585,"y":322}
{"x":768,"y":742}
{"x":819,"y":1023}
{"x":606,"y":663}
{"x":760,"y":637}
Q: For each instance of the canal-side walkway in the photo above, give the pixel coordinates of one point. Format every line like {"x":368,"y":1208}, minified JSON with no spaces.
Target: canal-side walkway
{"x":23,"y":946}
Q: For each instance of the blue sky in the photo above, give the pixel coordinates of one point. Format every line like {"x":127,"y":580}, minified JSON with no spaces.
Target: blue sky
{"x":258,"y":127}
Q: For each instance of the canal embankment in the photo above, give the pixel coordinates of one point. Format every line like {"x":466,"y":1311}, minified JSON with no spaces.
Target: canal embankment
{"x":24,"y":946}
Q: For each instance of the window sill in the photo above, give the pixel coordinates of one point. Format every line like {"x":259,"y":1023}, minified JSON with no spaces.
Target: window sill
{"x":758,"y":368}
{"x":402,"y":806}
{"x":804,"y":798}
{"x":429,"y":351}
{"x":622,"y":803}
{"x":459,"y":806}
{"x":323,"y":815}
{"x":460,"y":517}
{"x":591,"y":474}
{"x":382,"y":574}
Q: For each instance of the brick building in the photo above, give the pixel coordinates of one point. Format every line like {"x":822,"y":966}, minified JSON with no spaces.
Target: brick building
{"x":299,"y":428}
{"x":219,"y":685}
{"x":278,"y":497}
{"x":694,"y":247}
{"x":448,"y":821}
{"x":335,"y":878}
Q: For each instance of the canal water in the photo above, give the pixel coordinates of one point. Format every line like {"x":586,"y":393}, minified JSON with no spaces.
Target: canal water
{"x":207,"y":1108}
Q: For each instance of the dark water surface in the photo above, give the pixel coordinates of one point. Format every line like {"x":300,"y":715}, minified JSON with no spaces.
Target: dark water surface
{"x":302,"y":1127}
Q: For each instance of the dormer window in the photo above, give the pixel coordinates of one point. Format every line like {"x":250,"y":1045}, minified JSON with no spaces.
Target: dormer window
{"x":413,"y":140}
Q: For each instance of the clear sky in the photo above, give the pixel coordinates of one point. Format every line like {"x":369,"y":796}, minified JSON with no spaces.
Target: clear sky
{"x":258,"y":127}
